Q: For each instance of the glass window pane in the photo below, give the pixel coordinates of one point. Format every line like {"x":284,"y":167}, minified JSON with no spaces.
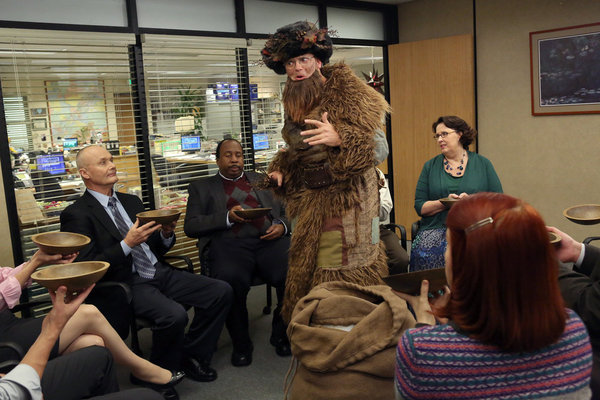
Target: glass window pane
{"x":356,"y":24}
{"x":205,"y":15}
{"x":264,"y":16}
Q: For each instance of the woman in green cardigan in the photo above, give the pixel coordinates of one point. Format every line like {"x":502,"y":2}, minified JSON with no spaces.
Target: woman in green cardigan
{"x":455,"y":173}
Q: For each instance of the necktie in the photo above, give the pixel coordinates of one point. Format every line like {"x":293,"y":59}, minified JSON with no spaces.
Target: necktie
{"x":142,"y":263}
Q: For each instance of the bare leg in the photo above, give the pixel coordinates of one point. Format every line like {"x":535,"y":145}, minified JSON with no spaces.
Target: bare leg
{"x":88,"y":322}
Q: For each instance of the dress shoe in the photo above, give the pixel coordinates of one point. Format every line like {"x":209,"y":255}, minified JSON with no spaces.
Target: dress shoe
{"x":166,"y":389}
{"x":241,"y":359}
{"x":282,"y":346}
{"x":198,"y":371}
{"x":176,"y":377}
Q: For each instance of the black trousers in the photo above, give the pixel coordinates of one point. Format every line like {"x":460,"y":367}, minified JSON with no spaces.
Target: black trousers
{"x":22,"y":331}
{"x":236,"y":261}
{"x":87,"y":373}
{"x":163,"y":300}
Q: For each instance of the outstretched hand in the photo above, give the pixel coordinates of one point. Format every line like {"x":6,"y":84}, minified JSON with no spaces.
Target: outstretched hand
{"x":324,"y":133}
{"x":140,"y":233}
{"x":422,"y":304}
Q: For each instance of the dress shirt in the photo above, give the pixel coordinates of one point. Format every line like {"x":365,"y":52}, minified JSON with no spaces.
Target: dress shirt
{"x":103,"y":199}
{"x":10,"y":288}
{"x":21,"y":383}
{"x":385,"y":199}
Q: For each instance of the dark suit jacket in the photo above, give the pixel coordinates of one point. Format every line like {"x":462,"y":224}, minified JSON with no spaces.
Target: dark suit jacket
{"x":206,"y":215}
{"x":88,"y":217}
{"x":581,"y":290}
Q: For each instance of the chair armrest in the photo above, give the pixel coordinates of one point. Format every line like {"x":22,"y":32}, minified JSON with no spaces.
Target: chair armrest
{"x":402,"y":231}
{"x":186,"y":259}
{"x":590,"y":239}
{"x":11,"y":361}
{"x":119,"y":285}
{"x":414,"y":229}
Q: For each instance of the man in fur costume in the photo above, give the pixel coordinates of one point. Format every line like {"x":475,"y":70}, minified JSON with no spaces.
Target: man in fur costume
{"x":326,"y":174}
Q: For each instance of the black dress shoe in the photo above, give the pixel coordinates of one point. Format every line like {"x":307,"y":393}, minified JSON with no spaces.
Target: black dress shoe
{"x":166,"y":389}
{"x":198,"y":371}
{"x":241,"y":359}
{"x":282,"y":346}
{"x":176,"y":377}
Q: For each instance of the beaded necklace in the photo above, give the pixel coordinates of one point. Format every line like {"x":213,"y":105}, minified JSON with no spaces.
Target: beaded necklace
{"x":459,"y":169}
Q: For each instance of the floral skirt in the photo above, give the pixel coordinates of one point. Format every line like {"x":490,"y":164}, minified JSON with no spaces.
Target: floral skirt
{"x":427,"y":250}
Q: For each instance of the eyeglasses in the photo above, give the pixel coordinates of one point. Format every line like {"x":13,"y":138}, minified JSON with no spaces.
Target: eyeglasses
{"x":442,"y":135}
{"x":303,"y":61}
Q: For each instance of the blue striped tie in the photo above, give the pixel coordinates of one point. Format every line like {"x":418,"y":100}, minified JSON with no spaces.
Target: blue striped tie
{"x":142,"y":263}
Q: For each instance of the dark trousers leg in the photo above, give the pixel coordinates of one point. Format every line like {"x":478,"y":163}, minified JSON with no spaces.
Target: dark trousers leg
{"x":236,"y":261}
{"x":397,"y":257}
{"x":81,"y":374}
{"x":161,"y":300}
{"x":232,"y":261}
{"x":272,"y":264}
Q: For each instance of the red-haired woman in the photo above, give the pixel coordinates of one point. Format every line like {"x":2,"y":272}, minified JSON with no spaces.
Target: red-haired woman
{"x":509,"y":334}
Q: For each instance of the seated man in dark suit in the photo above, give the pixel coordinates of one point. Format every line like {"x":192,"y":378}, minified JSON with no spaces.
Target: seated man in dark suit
{"x":159,"y":291}
{"x":580,"y":287}
{"x":240,"y":248}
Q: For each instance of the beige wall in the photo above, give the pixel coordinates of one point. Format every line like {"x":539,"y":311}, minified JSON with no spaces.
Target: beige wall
{"x":552,"y":162}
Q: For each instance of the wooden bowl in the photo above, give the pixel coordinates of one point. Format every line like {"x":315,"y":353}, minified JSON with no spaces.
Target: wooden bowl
{"x":410,"y":283}
{"x":252,"y":213}
{"x":554,"y":238}
{"x":163,"y":216}
{"x":75,"y":276}
{"x":585,"y":214}
{"x":60,"y":242}
{"x":448,"y":202}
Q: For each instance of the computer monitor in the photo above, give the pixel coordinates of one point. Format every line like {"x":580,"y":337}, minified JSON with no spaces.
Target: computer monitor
{"x":69,"y":143}
{"x":191,"y":143}
{"x":260,"y":141}
{"x":53,"y":163}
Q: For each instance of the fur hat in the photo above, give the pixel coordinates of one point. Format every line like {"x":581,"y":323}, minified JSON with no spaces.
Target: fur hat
{"x":294,"y":40}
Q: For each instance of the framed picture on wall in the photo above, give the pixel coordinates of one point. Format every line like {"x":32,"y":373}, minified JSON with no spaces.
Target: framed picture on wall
{"x":39,"y":124}
{"x":565,"y":73}
{"x":37,"y":112}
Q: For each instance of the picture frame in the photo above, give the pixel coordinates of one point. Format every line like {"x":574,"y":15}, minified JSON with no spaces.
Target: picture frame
{"x":39,"y":124}
{"x":38,"y":112}
{"x":564,"y":70}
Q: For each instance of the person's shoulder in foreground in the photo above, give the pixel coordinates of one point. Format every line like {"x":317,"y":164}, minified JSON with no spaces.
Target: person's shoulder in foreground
{"x":435,"y":361}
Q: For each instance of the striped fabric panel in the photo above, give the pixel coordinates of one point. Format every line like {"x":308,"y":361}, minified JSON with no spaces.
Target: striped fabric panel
{"x":437,"y":362}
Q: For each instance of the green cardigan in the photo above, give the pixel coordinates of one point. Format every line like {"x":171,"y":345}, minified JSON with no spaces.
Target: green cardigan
{"x":479,"y":176}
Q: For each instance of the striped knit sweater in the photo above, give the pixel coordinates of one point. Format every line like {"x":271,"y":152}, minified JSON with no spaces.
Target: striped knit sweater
{"x":437,"y":362}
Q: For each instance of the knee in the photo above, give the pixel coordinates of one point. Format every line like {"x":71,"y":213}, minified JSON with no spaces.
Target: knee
{"x":177,"y":319}
{"x":224,"y":293}
{"x":89,"y":312}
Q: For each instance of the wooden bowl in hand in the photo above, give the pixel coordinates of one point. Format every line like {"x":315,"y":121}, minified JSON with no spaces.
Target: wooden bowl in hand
{"x":60,"y":242}
{"x":75,"y":276}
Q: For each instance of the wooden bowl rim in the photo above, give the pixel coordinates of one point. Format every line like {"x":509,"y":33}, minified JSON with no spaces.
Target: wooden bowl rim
{"x":143,"y":214}
{"x":578,"y":218}
{"x":104,"y":266}
{"x":35,"y":239}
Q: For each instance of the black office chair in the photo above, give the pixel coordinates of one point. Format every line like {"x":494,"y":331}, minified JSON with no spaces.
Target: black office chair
{"x":590,"y":239}
{"x":414,"y":229}
{"x":11,"y":355}
{"x":256,"y":280}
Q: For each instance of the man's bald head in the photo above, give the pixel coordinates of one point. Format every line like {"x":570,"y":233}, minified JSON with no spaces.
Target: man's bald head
{"x":85,"y":154}
{"x":97,"y":169}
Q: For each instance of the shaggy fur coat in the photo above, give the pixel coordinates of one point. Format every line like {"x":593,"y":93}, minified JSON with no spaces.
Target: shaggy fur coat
{"x":352,"y":197}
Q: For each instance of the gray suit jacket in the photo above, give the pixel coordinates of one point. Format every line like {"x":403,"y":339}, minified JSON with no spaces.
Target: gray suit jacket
{"x":206,"y":214}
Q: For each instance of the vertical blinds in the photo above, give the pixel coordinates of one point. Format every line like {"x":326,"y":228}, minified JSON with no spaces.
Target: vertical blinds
{"x":62,"y":90}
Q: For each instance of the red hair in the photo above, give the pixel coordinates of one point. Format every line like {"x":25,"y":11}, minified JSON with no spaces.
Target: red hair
{"x":504,"y":274}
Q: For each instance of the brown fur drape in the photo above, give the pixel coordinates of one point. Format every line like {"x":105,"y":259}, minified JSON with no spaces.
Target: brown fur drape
{"x":356,"y":111}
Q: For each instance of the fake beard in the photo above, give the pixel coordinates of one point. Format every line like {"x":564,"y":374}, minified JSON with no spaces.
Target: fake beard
{"x":301,"y":97}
